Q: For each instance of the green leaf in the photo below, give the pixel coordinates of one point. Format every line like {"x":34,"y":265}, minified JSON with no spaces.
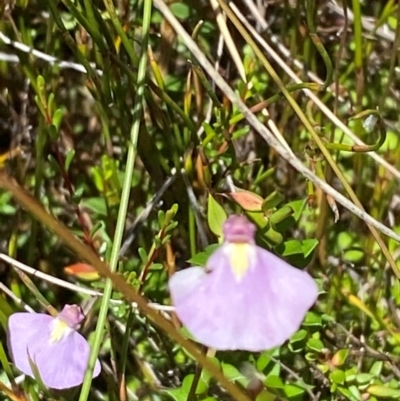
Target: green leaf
{"x":41,"y":85}
{"x":351,"y":374}
{"x":274,"y":371}
{"x":233,"y":374}
{"x":201,"y":258}
{"x":79,"y":189}
{"x":22,"y":3}
{"x":50,"y":103}
{"x":354,"y":255}
{"x":97,"y":178}
{"x":356,"y":392}
{"x":345,"y":239}
{"x":310,"y":356}
{"x":323,"y":367}
{"x":266,"y":396}
{"x":202,"y":385}
{"x":177,"y":394}
{"x":96,"y":204}
{"x":281,"y":214}
{"x":265,"y":358}
{"x":391,"y":142}
{"x":295,"y":247}
{"x":161,"y":217}
{"x":298,"y":336}
{"x":156,"y":267}
{"x":54,"y":167}
{"x":216,"y":216}
{"x":363,"y":378}
{"x":68,"y":159}
{"x":53,"y":132}
{"x":347,"y":393}
{"x":292,"y":247}
{"x":273,"y":382}
{"x":273,"y":237}
{"x":308,"y":245}
{"x":292,"y":390}
{"x":57,"y":118}
{"x":99,"y":226}
{"x":240,"y":132}
{"x":40,"y":105}
{"x":298,"y":207}
{"x":181,"y":10}
{"x":6,"y":206}
{"x":340,"y":357}
{"x":315,"y":344}
{"x":384,"y":391}
{"x":169,"y":215}
{"x":376,"y":368}
{"x":272,"y":201}
{"x":143,"y":255}
{"x":210,"y":133}
{"x":297,"y":341}
{"x":337,"y":376}
{"x":312,"y":319}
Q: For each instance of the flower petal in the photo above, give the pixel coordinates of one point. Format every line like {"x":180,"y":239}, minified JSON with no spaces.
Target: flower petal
{"x":24,"y":329}
{"x":72,"y":315}
{"x":259,"y":311}
{"x":62,"y":364}
{"x":184,"y":282}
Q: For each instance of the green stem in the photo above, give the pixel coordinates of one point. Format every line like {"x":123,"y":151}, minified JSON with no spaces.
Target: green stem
{"x":74,"y":48}
{"x":363,"y":148}
{"x":358,"y":64}
{"x":310,"y":10}
{"x":267,"y":102}
{"x":124,"y":38}
{"x":119,"y":229}
{"x":192,"y":232}
{"x":89,"y":24}
{"x":358,"y":51}
{"x":41,"y":140}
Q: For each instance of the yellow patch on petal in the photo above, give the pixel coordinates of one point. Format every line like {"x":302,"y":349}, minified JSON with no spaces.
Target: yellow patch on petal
{"x":59,"y":330}
{"x":240,"y":258}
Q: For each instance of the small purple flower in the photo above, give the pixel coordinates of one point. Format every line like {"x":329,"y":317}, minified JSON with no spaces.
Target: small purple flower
{"x":59,"y":352}
{"x":246,"y":298}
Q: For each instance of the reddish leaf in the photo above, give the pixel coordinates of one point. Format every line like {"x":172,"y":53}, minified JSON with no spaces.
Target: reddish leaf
{"x":82,"y":271}
{"x":247,"y":200}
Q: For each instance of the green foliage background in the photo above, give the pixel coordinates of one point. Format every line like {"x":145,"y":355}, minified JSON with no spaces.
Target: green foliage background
{"x":117,"y":129}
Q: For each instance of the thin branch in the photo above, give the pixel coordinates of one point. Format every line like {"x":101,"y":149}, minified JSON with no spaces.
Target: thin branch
{"x":72,"y":287}
{"x":40,"y":55}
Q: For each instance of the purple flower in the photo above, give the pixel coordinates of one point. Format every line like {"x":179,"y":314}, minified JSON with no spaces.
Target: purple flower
{"x":246,"y":298}
{"x":59,"y":352}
